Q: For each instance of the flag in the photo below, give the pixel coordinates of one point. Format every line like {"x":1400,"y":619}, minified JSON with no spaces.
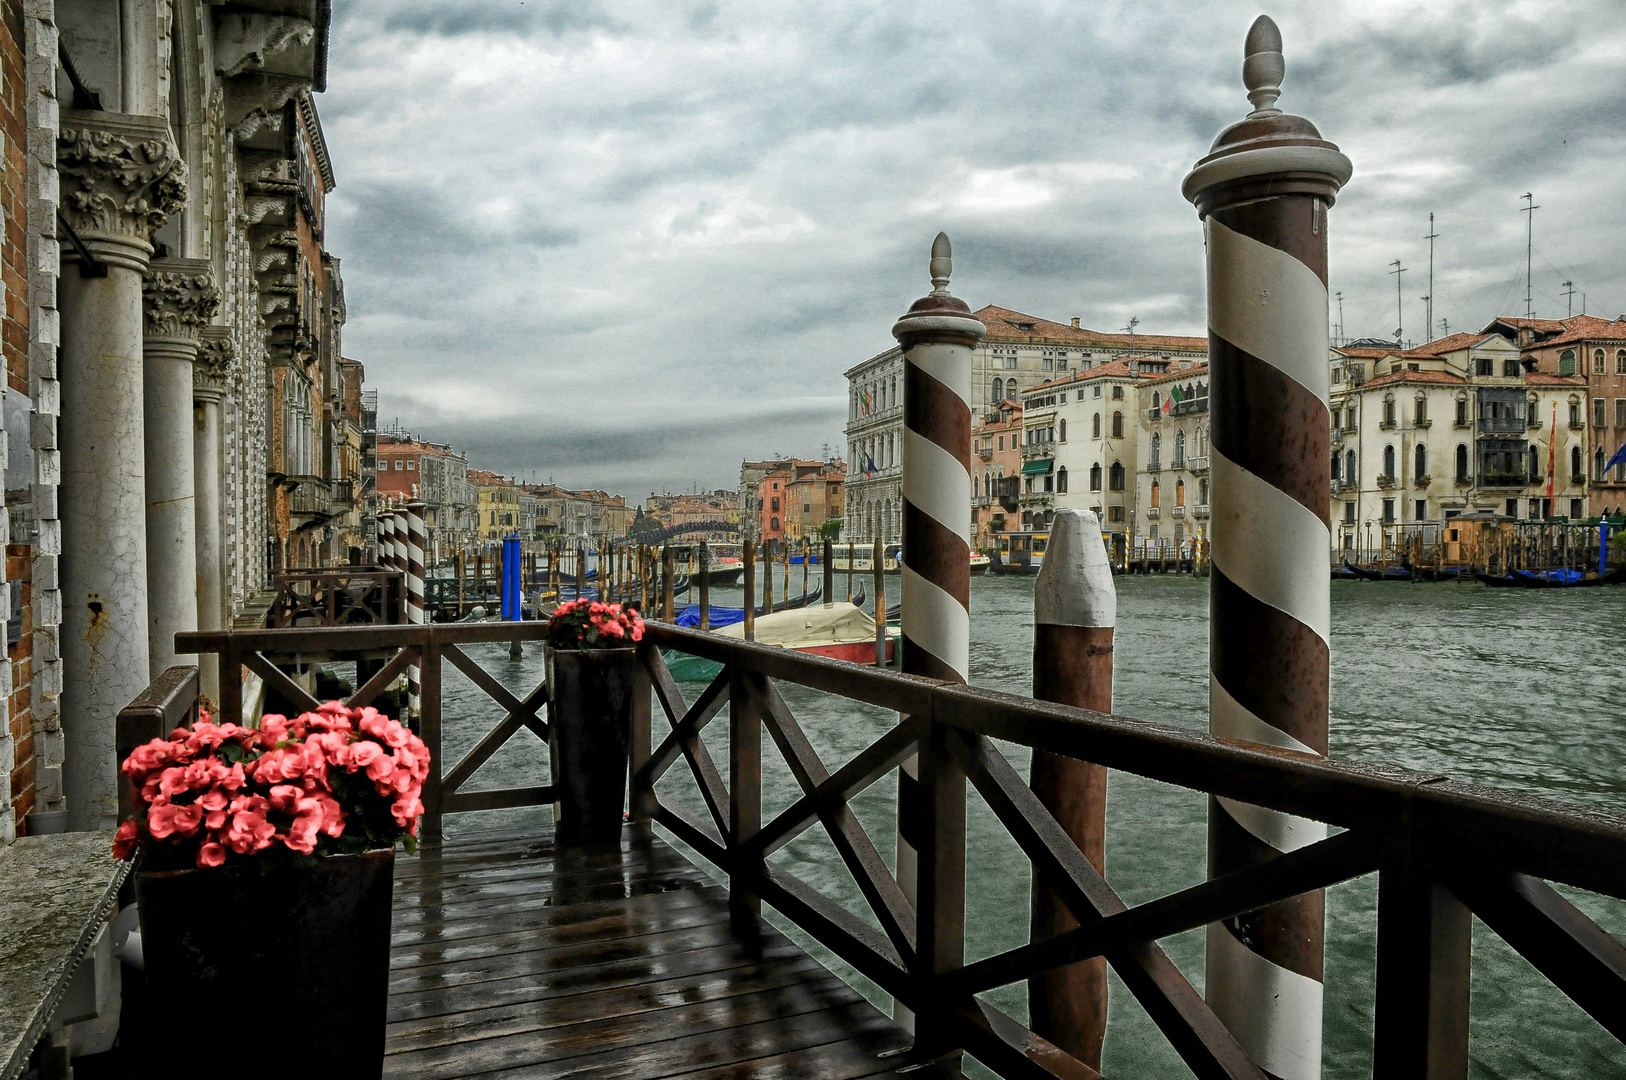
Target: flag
{"x":869,"y":467}
{"x":1552,"y":449}
{"x":1618,"y":459}
{"x":867,"y":400}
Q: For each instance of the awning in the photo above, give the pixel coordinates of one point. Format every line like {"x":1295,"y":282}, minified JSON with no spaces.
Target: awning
{"x":1038,"y":465}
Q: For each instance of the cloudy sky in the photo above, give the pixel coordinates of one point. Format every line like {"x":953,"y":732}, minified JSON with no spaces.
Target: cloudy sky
{"x":625,"y":245}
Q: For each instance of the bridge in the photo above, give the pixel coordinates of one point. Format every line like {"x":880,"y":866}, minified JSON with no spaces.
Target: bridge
{"x":655,"y":537}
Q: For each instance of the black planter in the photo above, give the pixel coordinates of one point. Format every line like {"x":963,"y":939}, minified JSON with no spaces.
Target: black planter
{"x":590,"y":721}
{"x":296,"y":956}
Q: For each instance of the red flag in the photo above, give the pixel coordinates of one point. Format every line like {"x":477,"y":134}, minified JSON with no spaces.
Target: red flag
{"x":1552,"y":449}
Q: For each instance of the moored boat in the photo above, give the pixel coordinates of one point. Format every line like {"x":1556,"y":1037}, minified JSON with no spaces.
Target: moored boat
{"x":980,"y":563}
{"x":840,"y":631}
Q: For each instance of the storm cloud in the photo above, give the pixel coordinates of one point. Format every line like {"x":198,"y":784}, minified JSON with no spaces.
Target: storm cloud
{"x":625,"y":245}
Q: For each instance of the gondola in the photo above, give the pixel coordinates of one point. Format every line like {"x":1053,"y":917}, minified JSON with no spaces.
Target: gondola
{"x":1551,"y":579}
{"x":1382,"y":573}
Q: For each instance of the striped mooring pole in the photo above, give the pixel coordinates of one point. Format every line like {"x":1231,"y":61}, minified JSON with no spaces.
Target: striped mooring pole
{"x":415,"y":575}
{"x":937,"y":336}
{"x":1263,"y":195}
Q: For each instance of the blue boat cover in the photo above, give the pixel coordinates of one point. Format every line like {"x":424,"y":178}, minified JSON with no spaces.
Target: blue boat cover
{"x":720,"y":616}
{"x":1561,"y":577}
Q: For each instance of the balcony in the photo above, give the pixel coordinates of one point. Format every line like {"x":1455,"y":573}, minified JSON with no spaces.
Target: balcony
{"x":1190,"y":406}
{"x":986,"y":453}
{"x":1038,"y":450}
{"x":1576,"y":425}
{"x":1178,"y":512}
{"x":1422,"y":481}
{"x":1198,"y":464}
{"x":1153,"y":513}
{"x":1200,"y":511}
{"x":1501,"y":425}
{"x":1503,"y":480}
{"x":1154,"y":415}
{"x":1423,"y":423}
{"x":1179,"y":463}
{"x":1156,"y":466}
{"x":1387,"y":425}
{"x":1343,"y":485}
{"x":1386,"y":481}
{"x":1535,"y":423}
{"x":311,"y":497}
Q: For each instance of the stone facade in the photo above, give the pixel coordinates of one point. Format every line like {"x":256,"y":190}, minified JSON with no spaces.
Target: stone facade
{"x":996,"y":472}
{"x":168,"y":299}
{"x":439,"y":476}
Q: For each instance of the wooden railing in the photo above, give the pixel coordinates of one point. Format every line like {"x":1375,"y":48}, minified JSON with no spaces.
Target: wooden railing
{"x":1443,"y":851}
{"x":338,"y":596}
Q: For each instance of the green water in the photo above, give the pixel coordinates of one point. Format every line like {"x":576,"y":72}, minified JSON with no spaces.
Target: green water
{"x":1508,"y":688}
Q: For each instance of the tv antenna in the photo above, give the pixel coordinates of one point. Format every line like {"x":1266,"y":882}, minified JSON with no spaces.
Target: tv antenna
{"x":1429,"y":299}
{"x":1529,"y":250}
{"x":1340,"y":318}
{"x":1569,"y":297}
{"x":1400,"y":304}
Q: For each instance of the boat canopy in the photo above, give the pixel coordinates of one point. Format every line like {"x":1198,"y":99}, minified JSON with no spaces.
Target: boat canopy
{"x":801,"y":627}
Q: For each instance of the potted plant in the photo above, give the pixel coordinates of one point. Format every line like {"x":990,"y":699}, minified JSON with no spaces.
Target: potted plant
{"x":268,"y":858}
{"x":590,"y":661}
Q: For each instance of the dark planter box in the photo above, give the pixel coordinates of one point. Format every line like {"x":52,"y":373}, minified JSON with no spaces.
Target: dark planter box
{"x":590,"y":723}
{"x":297,"y":956}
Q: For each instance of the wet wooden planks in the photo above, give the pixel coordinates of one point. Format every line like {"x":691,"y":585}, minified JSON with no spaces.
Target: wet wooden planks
{"x":514,"y":959}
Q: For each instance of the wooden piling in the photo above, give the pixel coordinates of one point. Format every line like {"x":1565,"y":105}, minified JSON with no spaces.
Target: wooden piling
{"x":829,"y":566}
{"x":807,"y":557}
{"x":767,"y":577}
{"x":1075,"y":607}
{"x":849,"y":572}
{"x":666,"y":583}
{"x":705,"y":587}
{"x":880,"y":604}
{"x":748,"y":555}
{"x":787,"y":572}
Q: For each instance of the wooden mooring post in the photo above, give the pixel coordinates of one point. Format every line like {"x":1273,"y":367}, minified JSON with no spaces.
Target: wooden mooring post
{"x":937,"y":336}
{"x":705,"y":586}
{"x":1075,"y":611}
{"x":1263,"y":195}
{"x":767,"y":577}
{"x":748,"y":554}
{"x":878,"y":574}
{"x":666,"y":583}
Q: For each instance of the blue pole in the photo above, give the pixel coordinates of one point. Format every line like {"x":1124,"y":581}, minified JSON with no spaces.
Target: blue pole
{"x":511,"y":575}
{"x":502,"y":584}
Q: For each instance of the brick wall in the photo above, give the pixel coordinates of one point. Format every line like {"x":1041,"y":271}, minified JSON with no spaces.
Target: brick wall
{"x":16,"y":735}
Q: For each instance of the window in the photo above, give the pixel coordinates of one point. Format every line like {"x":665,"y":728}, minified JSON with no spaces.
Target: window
{"x":1389,"y":411}
{"x":1117,"y":393}
{"x":1095,"y":473}
{"x":1349,"y":513}
{"x":493,"y":517}
{"x":1117,"y":425}
{"x":1202,"y":492}
{"x":1157,"y":403}
{"x":1462,"y":412}
{"x":775,"y":501}
{"x":807,"y":508}
{"x":1179,"y":450}
{"x":1597,"y":361}
{"x":1575,"y":468}
{"x":1483,"y":366}
{"x":1337,"y":419}
{"x":1510,"y":368}
{"x":1050,"y":483}
{"x":1420,"y":411}
{"x":1388,"y":510}
{"x":1115,"y":513}
{"x":1350,"y":475}
{"x":1064,"y":431}
{"x":1002,"y":442}
{"x":1513,"y":508}
{"x":1597,"y":464}
{"x":1598,"y":418}
{"x":1157,"y":494}
{"x":1097,"y":390}
{"x":1534,"y":464}
{"x":1096,"y":424}
{"x":1575,"y":414}
{"x":1420,"y":463}
{"x":997,"y":393}
{"x":412,"y":466}
{"x":1620,"y":412}
{"x":1010,"y":364}
{"x":1116,"y":478}
{"x":1157,"y":452}
{"x":773,"y":523}
{"x":1620,"y":362}
{"x":1179,"y":493}
{"x":399,"y":464}
{"x":1061,"y":480}
{"x":1566,"y":362}
{"x":1389,"y":462}
{"x":1337,"y":462}
{"x":1575,"y":510}
{"x":1420,"y":511}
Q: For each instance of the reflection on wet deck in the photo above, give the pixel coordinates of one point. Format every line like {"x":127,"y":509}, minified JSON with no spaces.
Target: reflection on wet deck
{"x":513,"y":957}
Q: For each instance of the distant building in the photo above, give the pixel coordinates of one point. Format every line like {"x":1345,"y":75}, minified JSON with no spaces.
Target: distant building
{"x":996,"y":471}
{"x":1454,"y":427}
{"x":752,"y":512}
{"x":1172,"y":425}
{"x":1594,"y":348}
{"x":795,"y":501}
{"x":437,"y":475}
{"x":501,"y":510}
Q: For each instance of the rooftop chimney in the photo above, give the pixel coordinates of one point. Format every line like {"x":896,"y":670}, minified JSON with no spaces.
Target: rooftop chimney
{"x":1075,"y":321}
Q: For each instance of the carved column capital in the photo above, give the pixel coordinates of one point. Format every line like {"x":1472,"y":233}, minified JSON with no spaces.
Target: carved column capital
{"x":217,"y":359}
{"x":179,"y":298}
{"x":121,"y":180}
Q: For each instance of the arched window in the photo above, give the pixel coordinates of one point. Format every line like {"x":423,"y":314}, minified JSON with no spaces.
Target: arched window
{"x":1462,"y":461}
{"x":773,"y":523}
{"x":1597,"y":464}
{"x":1157,"y":494}
{"x":1116,"y":477}
{"x":1389,"y":410}
{"x":1202,"y":442}
{"x":1620,"y":362}
{"x":1157,"y":452}
{"x":1389,"y":462}
{"x":494,"y":517}
{"x":1096,"y":433}
{"x":998,"y":393}
{"x":1420,"y":411}
{"x":1419,"y":465}
{"x":1337,"y":460}
{"x":1061,"y":480}
{"x":1566,"y":362}
{"x":1064,"y":431}
{"x":1202,"y":492}
{"x":1575,"y":464}
{"x":1117,"y":425}
{"x":1349,"y":467}
{"x":1597,"y":361}
{"x":1535,"y":463}
{"x":1179,"y":493}
{"x":1095,"y":475}
{"x":1157,"y":403}
{"x":1179,"y":450}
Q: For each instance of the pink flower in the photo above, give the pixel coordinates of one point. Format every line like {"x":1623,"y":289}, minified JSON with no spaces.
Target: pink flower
{"x":382,"y":766}
{"x":613,"y":629}
{"x":211,"y":854}
{"x":161,"y":821}
{"x":124,"y":841}
{"x":363,"y":754}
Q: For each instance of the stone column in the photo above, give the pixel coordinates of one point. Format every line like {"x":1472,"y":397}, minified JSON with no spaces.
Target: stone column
{"x":209,"y":377}
{"x":120,"y":179}
{"x":180,"y":298}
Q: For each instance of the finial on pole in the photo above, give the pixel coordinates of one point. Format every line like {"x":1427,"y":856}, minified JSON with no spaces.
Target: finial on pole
{"x":942,"y":264}
{"x":1263,"y":66}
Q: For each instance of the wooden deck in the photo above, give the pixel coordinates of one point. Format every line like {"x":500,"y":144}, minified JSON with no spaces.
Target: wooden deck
{"x":514,"y":958}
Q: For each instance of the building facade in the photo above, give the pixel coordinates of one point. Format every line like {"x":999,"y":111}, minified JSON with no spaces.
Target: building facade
{"x":874,"y":492}
{"x":795,"y":501}
{"x":1172,"y":427}
{"x":438,"y":476}
{"x":1458,"y":426}
{"x":996,"y":472}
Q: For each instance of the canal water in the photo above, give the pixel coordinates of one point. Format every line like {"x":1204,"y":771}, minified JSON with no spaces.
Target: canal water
{"x":1515,"y":689}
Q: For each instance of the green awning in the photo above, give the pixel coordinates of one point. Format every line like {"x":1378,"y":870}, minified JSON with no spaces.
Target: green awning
{"x":1038,"y":465}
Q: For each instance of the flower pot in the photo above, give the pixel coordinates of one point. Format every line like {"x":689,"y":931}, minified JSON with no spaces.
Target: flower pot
{"x":589,"y":730}
{"x":305,"y":949}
